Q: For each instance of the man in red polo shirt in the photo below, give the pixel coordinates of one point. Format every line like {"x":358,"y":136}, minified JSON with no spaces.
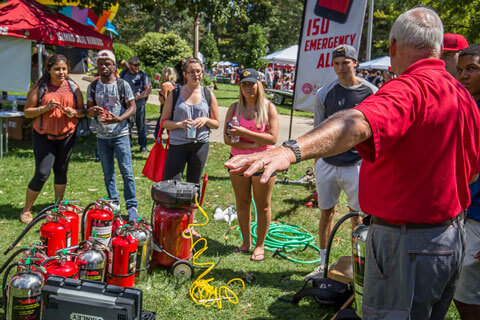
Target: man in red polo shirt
{"x":419,"y":139}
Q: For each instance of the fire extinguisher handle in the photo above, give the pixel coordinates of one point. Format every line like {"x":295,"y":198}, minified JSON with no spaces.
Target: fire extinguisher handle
{"x":66,"y":251}
{"x":44,"y":262}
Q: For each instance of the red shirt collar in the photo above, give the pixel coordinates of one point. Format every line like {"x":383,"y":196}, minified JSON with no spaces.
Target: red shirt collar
{"x":425,"y":64}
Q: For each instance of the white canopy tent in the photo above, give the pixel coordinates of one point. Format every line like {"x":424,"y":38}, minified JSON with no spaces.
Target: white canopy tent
{"x":284,"y":56}
{"x":15,"y":58}
{"x":382,"y":63}
{"x":224,"y":63}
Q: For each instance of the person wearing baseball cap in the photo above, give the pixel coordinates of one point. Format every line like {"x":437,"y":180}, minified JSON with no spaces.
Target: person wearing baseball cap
{"x":111,"y":103}
{"x":452,"y":44}
{"x":106,"y":54}
{"x":252,"y":126}
{"x":340,"y":171}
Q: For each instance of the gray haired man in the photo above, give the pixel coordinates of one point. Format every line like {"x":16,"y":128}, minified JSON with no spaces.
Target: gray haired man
{"x":419,"y":139}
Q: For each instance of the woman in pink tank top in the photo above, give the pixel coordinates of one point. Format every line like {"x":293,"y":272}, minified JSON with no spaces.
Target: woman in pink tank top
{"x":258,"y":131}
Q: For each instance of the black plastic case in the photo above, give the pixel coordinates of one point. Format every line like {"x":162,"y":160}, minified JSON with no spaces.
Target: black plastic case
{"x":85,"y":299}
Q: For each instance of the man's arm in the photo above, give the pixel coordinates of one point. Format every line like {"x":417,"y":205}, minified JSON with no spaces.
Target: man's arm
{"x":337,"y":134}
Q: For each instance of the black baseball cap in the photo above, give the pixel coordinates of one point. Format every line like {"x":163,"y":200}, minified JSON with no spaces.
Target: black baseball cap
{"x":250,"y":75}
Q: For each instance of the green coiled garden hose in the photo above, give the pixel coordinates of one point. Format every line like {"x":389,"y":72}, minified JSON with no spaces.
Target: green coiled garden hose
{"x":284,"y":238}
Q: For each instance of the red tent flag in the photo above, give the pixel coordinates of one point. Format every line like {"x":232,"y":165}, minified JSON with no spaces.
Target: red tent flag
{"x":30,"y":20}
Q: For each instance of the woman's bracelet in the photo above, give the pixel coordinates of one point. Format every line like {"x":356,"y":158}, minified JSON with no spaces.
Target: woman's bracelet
{"x":39,"y":110}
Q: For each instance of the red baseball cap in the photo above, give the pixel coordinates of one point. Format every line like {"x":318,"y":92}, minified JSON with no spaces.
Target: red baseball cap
{"x":454,"y":42}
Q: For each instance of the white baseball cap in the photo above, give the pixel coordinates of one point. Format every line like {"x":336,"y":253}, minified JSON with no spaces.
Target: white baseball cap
{"x":106,"y":54}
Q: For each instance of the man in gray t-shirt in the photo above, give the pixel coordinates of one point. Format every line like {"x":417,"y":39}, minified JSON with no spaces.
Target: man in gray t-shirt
{"x":142,"y":87}
{"x":111,"y":102}
{"x":339,"y":172}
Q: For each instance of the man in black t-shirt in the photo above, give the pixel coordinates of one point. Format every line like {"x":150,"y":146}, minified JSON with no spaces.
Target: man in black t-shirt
{"x":340,"y":172}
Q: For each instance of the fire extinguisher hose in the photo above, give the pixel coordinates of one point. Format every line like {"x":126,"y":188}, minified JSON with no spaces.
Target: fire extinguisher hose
{"x":4,"y":284}
{"x":27,"y":228}
{"x":201,"y":290}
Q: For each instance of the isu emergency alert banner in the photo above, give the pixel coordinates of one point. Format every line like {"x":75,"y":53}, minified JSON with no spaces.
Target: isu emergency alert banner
{"x":326,"y":24}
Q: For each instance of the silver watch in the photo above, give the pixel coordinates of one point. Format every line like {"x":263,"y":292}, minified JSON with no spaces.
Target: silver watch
{"x":293,"y":145}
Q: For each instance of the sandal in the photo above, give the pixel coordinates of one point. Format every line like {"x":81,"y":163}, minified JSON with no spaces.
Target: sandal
{"x":240,"y":250}
{"x":254,"y":257}
{"x":26,"y":217}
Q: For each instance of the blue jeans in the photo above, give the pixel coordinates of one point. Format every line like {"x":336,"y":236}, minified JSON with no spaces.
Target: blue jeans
{"x":120,"y":147}
{"x":140,"y":123}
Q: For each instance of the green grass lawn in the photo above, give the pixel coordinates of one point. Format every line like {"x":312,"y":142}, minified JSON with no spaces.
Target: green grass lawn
{"x":164,"y":294}
{"x":228,"y":94}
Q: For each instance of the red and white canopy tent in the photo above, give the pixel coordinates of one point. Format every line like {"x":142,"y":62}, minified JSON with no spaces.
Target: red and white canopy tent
{"x":22,"y":21}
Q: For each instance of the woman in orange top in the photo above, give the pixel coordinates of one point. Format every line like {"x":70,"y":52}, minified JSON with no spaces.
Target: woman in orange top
{"x":55,"y":103}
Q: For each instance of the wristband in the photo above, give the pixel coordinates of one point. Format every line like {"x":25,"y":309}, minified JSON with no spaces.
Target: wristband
{"x":39,"y":110}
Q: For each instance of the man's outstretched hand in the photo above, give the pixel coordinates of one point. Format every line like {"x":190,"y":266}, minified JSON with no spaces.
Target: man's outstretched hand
{"x":270,"y":161}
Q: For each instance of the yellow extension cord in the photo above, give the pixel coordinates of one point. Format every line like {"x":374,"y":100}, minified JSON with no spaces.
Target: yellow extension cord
{"x":201,"y":291}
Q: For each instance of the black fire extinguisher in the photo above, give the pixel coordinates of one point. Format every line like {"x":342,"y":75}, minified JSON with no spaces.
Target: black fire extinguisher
{"x":22,"y":296}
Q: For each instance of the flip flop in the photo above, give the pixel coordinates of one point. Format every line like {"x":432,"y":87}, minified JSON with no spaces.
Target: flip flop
{"x":239,"y":250}
{"x":26,"y":217}
{"x":254,"y":257}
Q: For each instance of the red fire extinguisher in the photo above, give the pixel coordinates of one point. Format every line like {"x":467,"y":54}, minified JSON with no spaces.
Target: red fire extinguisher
{"x":122,"y":258}
{"x":60,"y":266}
{"x":98,"y":219}
{"x":71,"y":212}
{"x":117,"y":221}
{"x":55,"y":233}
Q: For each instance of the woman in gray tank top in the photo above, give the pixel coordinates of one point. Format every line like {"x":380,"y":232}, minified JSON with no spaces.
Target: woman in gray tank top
{"x":189,"y":125}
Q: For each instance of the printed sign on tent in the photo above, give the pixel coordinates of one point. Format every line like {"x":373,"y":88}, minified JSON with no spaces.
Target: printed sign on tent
{"x":326,"y":24}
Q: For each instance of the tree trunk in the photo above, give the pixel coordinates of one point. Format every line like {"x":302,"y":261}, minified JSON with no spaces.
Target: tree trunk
{"x":196,"y":26}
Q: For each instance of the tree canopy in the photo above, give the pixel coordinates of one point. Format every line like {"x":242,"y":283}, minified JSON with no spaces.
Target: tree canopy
{"x":280,"y":20}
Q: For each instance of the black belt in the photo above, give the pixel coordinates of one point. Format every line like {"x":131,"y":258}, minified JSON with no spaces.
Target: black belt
{"x":409,"y":225}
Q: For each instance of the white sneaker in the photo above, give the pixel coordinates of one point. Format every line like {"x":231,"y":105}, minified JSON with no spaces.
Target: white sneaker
{"x":115,"y":206}
{"x":316,"y":273}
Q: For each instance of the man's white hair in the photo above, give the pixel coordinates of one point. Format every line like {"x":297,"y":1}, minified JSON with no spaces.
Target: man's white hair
{"x":419,"y":28}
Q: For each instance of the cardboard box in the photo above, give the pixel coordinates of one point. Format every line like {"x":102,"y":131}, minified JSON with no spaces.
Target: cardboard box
{"x":341,"y":270}
{"x":16,"y":127}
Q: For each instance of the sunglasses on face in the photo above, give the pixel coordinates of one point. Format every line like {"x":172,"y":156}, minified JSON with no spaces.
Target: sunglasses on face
{"x":136,"y":65}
